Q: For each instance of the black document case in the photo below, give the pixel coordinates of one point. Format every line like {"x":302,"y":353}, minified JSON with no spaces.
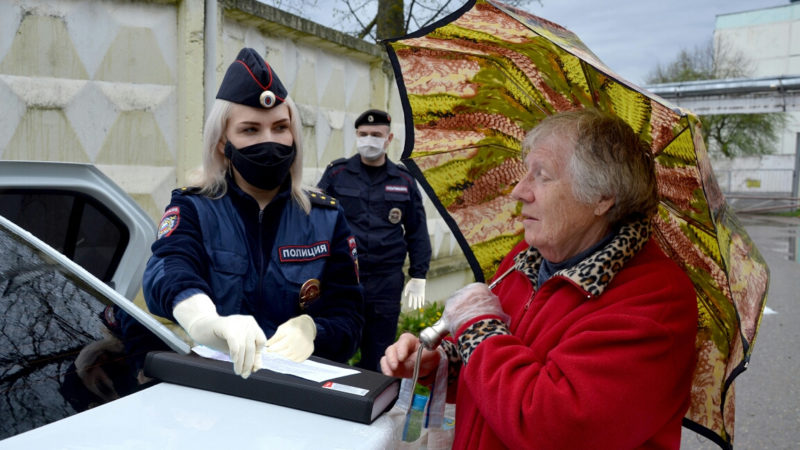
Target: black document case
{"x":281,"y":389}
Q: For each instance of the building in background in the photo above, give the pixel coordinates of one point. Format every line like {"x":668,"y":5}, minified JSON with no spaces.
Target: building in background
{"x":770,"y":39}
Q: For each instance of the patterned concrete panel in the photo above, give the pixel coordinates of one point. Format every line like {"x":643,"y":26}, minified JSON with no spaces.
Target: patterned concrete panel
{"x":321,"y":141}
{"x":45,"y":135}
{"x":13,"y":109}
{"x":159,"y":20}
{"x":305,"y":87}
{"x":91,"y":106}
{"x":357,"y":87}
{"x":10,"y":18}
{"x":159,"y":100}
{"x":136,"y":139}
{"x":134,"y":57}
{"x":92,"y":30}
{"x":333,"y":149}
{"x":43,"y":48}
{"x":332,"y":79}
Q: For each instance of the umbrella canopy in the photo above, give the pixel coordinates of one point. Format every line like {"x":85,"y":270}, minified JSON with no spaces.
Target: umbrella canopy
{"x":474,"y":83}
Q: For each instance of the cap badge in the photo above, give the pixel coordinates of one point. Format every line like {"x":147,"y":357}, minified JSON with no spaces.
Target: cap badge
{"x":370,"y":118}
{"x":267,"y":99}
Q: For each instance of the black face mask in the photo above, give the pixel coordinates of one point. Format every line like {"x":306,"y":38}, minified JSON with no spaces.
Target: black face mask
{"x":264,"y":165}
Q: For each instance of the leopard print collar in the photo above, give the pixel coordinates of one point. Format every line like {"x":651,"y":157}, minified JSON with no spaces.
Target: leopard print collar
{"x":594,"y":273}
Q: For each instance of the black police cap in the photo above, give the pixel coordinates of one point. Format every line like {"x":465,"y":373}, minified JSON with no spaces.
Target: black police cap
{"x":251,"y":81}
{"x":374,"y":117}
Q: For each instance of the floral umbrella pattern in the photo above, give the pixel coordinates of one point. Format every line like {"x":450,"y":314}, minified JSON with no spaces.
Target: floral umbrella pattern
{"x":475,"y":82}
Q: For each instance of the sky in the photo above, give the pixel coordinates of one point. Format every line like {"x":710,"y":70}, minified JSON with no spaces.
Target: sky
{"x":630,"y":36}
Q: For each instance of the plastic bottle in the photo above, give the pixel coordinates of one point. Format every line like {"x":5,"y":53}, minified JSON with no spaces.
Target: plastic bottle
{"x":413,"y":427}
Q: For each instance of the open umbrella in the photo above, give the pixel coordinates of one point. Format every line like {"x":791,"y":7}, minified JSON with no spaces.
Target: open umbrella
{"x":473,"y":83}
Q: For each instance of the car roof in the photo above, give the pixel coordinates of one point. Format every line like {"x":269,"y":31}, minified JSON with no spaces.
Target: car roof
{"x":89,"y":180}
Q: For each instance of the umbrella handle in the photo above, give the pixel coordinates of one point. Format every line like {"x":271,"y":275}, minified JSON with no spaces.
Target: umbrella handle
{"x":432,"y":336}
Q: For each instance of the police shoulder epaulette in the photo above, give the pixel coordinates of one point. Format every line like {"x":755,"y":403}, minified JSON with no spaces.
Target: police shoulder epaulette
{"x":320,"y":199}
{"x":336,"y":162}
{"x":401,"y":166}
{"x":187,"y":190}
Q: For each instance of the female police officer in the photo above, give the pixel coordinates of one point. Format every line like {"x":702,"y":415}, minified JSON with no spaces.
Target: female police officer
{"x":249,"y":253}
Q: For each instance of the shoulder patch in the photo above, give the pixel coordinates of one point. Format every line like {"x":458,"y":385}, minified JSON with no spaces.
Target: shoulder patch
{"x":336,"y":162}
{"x":320,"y":199}
{"x":169,"y":222}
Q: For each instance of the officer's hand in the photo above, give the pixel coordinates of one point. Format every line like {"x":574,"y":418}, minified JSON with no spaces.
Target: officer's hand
{"x":238,"y":335}
{"x":415,"y":292}
{"x":294,"y":339}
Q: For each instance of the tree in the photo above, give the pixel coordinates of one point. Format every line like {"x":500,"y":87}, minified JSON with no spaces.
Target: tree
{"x":730,"y":135}
{"x":380,"y":19}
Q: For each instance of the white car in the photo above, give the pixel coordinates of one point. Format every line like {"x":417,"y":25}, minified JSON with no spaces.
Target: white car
{"x":73,"y":247}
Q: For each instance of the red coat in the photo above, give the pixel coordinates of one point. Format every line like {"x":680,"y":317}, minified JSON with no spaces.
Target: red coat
{"x":579,"y":371}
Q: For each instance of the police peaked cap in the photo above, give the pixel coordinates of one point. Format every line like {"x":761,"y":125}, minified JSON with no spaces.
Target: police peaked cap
{"x":374,"y":117}
{"x":251,"y":81}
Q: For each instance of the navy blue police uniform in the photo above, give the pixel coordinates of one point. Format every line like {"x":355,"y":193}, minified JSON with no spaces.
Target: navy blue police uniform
{"x":386,"y":214}
{"x":273,"y":264}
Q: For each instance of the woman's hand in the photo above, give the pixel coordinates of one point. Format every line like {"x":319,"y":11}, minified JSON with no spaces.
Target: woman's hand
{"x":471,"y":301}
{"x":399,"y":358}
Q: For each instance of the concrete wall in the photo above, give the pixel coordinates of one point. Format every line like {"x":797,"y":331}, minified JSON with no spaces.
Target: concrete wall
{"x":770,"y":39}
{"x":125,"y":85}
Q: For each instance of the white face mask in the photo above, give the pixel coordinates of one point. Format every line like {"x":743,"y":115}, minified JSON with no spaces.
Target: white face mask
{"x":370,"y":147}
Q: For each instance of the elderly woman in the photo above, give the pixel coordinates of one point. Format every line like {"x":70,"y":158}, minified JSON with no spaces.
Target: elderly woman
{"x":588,"y":338}
{"x":249,"y":254}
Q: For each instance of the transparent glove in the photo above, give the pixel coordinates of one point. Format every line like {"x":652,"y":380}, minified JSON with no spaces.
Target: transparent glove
{"x":415,"y":292}
{"x":471,"y":301}
{"x":294,"y":339}
{"x":238,"y":335}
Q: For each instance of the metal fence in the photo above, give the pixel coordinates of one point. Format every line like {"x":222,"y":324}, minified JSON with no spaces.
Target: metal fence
{"x":759,"y":190}
{"x":772,"y":181}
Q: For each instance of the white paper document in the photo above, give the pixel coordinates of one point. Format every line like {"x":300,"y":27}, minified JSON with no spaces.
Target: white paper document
{"x":310,"y":370}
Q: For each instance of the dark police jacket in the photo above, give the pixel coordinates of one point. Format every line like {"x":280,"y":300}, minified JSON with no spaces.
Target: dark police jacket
{"x":386,"y":215}
{"x":255,"y":262}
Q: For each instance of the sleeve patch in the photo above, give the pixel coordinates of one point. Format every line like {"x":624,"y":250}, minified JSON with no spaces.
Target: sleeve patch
{"x":351,"y":242}
{"x":169,"y":221}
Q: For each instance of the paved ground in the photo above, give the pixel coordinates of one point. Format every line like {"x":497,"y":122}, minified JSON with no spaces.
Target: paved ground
{"x":768,"y":393}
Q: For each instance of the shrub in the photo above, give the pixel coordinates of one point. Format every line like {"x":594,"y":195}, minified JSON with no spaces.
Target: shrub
{"x":416,"y":320}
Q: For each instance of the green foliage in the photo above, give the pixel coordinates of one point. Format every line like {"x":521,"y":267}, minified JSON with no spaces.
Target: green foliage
{"x":730,"y":135}
{"x":794,"y":213}
{"x":416,"y":320}
{"x":412,"y":321}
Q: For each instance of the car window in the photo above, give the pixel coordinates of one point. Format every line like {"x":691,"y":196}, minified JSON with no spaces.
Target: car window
{"x":64,"y":347}
{"x":73,"y":223}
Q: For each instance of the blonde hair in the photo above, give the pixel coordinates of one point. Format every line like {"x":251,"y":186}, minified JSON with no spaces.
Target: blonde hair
{"x":211,"y":180}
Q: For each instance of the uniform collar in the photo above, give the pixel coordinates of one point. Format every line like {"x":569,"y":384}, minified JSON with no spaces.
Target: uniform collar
{"x":354,"y":165}
{"x":630,"y":238}
{"x":242,"y":197}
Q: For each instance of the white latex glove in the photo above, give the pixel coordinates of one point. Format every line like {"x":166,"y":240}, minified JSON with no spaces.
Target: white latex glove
{"x":415,"y":292}
{"x":294,"y":339}
{"x":238,"y":335}
{"x":471,"y":301}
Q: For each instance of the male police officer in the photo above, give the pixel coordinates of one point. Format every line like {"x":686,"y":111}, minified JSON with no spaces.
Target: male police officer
{"x":384,"y":209}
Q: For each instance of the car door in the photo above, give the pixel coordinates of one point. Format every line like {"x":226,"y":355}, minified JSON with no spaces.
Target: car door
{"x":73,"y":247}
